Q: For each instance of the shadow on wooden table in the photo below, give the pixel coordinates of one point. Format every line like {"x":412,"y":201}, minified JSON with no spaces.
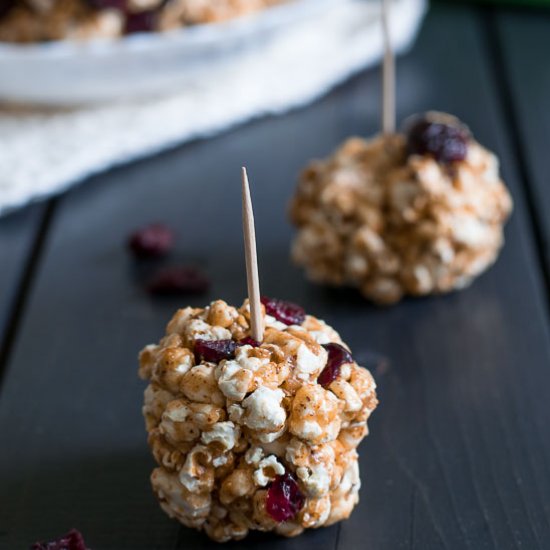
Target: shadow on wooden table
{"x":109,"y":496}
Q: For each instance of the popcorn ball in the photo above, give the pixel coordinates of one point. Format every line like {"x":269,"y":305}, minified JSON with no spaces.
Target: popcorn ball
{"x":403,"y":214}
{"x":250,"y":435}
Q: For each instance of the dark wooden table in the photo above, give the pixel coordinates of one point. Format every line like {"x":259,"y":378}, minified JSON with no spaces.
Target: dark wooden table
{"x":459,"y":451}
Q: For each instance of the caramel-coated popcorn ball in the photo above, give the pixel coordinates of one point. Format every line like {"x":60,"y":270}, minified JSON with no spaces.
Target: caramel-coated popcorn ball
{"x":250,"y":435}
{"x":416,"y":213}
{"x":43,"y":20}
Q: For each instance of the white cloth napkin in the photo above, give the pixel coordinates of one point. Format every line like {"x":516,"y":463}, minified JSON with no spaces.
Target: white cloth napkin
{"x":42,"y":152}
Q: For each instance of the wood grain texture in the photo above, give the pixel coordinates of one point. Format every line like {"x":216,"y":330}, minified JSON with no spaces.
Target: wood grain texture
{"x":18,"y":233}
{"x":459,"y":454}
{"x":523,"y":42}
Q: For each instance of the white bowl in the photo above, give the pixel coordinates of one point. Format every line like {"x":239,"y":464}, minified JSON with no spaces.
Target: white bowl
{"x":67,"y":72}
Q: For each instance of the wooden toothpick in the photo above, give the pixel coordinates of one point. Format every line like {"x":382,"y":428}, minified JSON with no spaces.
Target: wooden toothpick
{"x":252,"y":279}
{"x":388,"y":74}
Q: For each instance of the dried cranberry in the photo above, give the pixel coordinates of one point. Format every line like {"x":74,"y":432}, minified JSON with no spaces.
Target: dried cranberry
{"x":284,"y":498}
{"x":438,"y":135}
{"x":71,"y":541}
{"x":143,"y":21}
{"x":179,"y":280}
{"x":249,"y":341}
{"x":286,"y":312}
{"x":337,"y":356}
{"x":214,"y":351}
{"x":154,"y":240}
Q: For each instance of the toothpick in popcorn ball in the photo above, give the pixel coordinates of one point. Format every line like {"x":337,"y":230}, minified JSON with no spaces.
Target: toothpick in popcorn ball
{"x":416,"y":212}
{"x":254,"y":415}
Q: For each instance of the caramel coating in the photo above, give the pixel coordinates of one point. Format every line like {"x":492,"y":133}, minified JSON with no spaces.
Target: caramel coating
{"x":392,"y":225}
{"x":221,"y":433}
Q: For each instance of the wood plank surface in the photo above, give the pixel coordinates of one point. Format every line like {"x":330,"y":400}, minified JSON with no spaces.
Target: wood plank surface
{"x":18,"y":234}
{"x":458,"y":456}
{"x":523,"y":41}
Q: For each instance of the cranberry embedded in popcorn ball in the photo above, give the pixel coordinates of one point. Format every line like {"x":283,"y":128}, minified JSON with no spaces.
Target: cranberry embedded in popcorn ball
{"x":254,"y":435}
{"x":404,"y":214}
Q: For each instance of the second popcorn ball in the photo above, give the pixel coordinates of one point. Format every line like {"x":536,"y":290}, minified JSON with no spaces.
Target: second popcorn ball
{"x":249,"y":435}
{"x":415,"y":213}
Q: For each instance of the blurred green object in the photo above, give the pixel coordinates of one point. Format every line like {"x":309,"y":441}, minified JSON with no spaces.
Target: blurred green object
{"x":517,"y":3}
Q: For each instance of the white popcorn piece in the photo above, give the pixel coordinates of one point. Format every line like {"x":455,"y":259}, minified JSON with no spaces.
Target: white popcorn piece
{"x":268,"y":469}
{"x":271,"y":322}
{"x":317,"y":512}
{"x":269,"y":437}
{"x":247,"y":361}
{"x":235,"y":377}
{"x":345,"y":391}
{"x":233,"y":380}
{"x":225,"y":434}
{"x":254,"y":455}
{"x":220,"y":461}
{"x":316,"y":479}
{"x":315,"y":415}
{"x":176,"y":501}
{"x":199,"y":384}
{"x":197,"y":473}
{"x":235,"y":413}
{"x":308,"y":363}
{"x":263,"y":411}
{"x":198,"y":328}
{"x":154,"y":403}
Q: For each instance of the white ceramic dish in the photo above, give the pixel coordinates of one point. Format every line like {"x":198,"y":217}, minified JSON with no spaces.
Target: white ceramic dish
{"x":66,"y":72}
{"x":43,"y":151}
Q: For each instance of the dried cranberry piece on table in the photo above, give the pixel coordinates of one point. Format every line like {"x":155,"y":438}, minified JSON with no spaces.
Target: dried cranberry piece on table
{"x":214,"y":351}
{"x":337,"y":356}
{"x":445,"y":141}
{"x":151,"y":241}
{"x":73,"y":540}
{"x":284,"y":498}
{"x":179,"y":280}
{"x":286,"y":312}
